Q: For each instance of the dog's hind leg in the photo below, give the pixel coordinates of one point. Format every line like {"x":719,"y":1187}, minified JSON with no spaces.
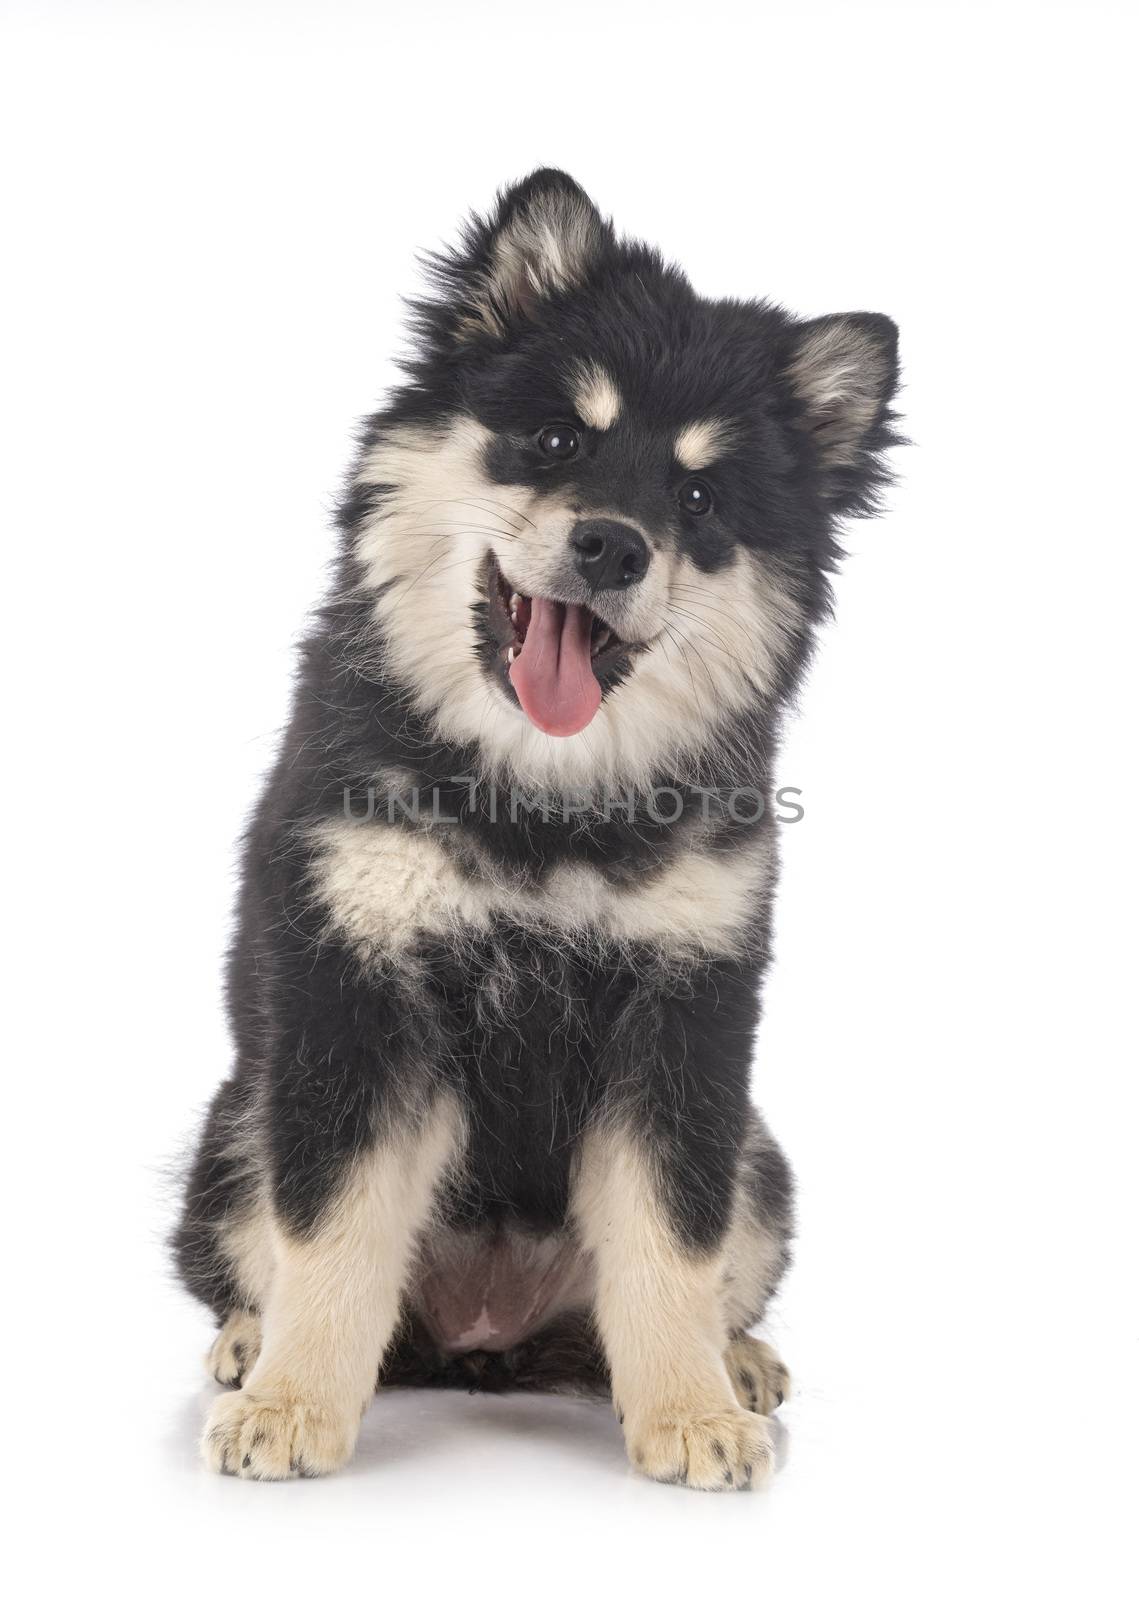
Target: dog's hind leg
{"x":756,"y":1255}
{"x":330,"y":1310}
{"x":223,"y":1246}
{"x":245,"y":1244}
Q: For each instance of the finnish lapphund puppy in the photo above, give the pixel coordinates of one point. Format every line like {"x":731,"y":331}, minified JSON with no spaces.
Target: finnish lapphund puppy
{"x":506,"y":900}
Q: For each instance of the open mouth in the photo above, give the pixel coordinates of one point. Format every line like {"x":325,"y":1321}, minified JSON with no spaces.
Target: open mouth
{"x":553,"y":653}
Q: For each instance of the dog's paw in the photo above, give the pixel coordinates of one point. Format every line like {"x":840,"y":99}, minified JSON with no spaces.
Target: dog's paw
{"x":760,"y":1379}
{"x":235,"y":1349}
{"x":727,"y":1450}
{"x":273,"y":1435}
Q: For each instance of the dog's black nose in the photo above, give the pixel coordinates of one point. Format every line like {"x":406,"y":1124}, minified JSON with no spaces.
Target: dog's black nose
{"x":609,"y":555}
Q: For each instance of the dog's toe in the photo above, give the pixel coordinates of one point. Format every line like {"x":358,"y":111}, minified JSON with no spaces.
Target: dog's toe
{"x":728,"y":1450}
{"x":235,"y":1349}
{"x":272,"y":1436}
{"x":760,"y":1379}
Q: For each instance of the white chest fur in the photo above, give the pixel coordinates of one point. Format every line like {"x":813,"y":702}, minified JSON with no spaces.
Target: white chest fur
{"x":384,"y":887}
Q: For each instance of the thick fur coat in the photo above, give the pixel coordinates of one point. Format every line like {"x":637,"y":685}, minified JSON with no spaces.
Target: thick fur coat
{"x":506,"y":900}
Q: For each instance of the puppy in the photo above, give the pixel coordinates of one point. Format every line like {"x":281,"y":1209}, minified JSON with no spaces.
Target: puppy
{"x":506,"y":899}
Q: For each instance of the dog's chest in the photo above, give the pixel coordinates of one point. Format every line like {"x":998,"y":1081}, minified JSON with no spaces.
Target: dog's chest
{"x":542,"y":985}
{"x":387,"y":889}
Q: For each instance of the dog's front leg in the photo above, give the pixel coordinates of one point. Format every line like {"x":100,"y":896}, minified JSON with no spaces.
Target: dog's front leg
{"x":331,"y":1309}
{"x":659,"y":1312}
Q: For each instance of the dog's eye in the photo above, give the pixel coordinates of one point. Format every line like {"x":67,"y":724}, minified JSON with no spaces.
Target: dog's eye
{"x":559,"y":441}
{"x":696,"y":497}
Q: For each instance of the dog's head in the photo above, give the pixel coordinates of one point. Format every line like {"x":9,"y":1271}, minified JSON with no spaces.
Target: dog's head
{"x":599,"y":520}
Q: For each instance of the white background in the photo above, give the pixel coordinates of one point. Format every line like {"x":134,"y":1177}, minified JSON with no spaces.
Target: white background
{"x":210,"y":215}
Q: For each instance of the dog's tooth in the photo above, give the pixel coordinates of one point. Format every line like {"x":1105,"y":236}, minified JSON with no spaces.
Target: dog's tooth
{"x":511,"y":653}
{"x":515,"y":601}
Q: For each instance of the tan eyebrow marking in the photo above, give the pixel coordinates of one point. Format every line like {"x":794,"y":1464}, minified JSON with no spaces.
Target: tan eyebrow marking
{"x":698,"y":444}
{"x":597,"y":398}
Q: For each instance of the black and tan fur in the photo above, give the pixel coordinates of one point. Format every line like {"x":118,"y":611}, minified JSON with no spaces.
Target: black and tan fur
{"x":489,"y":1121}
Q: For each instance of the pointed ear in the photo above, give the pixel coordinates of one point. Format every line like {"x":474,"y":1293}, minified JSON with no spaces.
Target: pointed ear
{"x":541,"y":240}
{"x":843,"y":372}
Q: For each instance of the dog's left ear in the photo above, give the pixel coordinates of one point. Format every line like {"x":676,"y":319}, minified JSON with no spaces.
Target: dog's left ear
{"x":541,"y":240}
{"x":843,"y":373}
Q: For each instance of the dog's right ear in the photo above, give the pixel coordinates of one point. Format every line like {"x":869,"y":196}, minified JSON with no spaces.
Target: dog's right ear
{"x":541,"y":240}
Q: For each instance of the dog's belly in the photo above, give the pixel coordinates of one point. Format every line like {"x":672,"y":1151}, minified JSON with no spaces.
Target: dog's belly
{"x":493,"y":1288}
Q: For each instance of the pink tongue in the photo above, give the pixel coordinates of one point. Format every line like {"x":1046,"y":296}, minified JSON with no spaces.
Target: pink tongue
{"x":553,"y":676}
